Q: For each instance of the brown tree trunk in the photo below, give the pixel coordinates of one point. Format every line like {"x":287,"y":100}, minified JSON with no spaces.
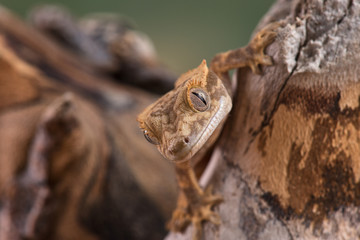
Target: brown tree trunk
{"x":290,"y":150}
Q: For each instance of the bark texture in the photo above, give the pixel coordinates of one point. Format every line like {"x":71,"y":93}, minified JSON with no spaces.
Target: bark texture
{"x":290,"y":165}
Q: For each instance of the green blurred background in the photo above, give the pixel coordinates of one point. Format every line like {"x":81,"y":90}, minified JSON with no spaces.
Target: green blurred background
{"x":184,"y":32}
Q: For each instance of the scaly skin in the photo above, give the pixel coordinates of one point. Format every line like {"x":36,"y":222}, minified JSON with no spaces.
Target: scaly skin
{"x":190,"y":118}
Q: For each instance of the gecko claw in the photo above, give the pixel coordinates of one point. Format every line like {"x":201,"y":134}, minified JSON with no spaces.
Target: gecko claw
{"x":180,"y":220}
{"x":196,"y":214}
{"x":257,"y":47}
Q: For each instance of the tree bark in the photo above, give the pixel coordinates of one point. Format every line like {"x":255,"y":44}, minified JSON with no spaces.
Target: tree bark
{"x":71,"y":154}
{"x":289,"y":163}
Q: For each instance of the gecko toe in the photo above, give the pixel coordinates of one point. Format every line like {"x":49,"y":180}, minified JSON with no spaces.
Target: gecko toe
{"x":180,"y":220}
{"x":266,"y":60}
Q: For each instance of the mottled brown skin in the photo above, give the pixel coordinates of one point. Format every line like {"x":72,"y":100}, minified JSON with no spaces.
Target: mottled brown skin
{"x":179,"y":130}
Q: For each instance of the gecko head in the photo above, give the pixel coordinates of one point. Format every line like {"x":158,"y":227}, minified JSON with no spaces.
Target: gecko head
{"x":183,"y":120}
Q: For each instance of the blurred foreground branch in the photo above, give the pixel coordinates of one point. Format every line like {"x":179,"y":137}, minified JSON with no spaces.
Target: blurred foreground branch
{"x":71,"y":155}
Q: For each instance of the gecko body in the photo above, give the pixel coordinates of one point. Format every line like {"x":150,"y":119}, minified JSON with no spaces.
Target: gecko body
{"x":185,"y":123}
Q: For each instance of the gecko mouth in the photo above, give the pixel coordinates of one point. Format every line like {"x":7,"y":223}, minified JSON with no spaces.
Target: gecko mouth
{"x":214,"y":122}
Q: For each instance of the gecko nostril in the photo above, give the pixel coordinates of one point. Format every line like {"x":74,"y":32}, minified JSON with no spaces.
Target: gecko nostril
{"x":186,"y":140}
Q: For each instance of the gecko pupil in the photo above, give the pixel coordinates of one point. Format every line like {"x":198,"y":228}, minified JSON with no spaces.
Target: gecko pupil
{"x":200,"y":96}
{"x":199,"y":99}
{"x":150,"y":139}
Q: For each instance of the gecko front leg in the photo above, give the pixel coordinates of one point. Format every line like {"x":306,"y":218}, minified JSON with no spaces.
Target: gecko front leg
{"x":190,"y":118}
{"x":250,"y":56}
{"x":194,"y":204}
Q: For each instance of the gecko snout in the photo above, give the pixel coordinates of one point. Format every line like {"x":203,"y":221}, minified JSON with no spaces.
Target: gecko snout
{"x":178,"y":148}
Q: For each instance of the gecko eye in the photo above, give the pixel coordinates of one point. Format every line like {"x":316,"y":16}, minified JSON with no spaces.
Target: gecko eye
{"x":150,"y":138}
{"x":199,"y":99}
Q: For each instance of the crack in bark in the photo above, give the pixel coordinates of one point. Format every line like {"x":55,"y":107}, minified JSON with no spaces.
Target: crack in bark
{"x":286,"y":228}
{"x":350,"y":4}
{"x":267,"y":118}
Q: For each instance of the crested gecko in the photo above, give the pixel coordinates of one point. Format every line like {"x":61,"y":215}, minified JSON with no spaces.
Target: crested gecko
{"x":185,"y":123}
